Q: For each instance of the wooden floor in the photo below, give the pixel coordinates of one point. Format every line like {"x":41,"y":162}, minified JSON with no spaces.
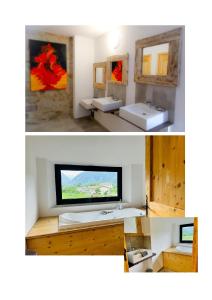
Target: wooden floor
{"x":66,"y":124}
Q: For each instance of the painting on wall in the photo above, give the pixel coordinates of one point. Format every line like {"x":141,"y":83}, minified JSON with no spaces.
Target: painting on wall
{"x":48,"y":69}
{"x":116,"y":71}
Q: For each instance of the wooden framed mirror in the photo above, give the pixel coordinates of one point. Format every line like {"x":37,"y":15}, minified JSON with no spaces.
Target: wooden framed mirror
{"x":99,"y":75}
{"x":117,"y":69}
{"x":157,"y":59}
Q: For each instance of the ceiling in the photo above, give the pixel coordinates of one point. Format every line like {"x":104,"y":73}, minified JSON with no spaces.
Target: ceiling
{"x":70,"y":30}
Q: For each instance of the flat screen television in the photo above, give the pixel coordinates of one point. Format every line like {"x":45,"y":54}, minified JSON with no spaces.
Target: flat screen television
{"x":87,"y":184}
{"x":186,"y":233}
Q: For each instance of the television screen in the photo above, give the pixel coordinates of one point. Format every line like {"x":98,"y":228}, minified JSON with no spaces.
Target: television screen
{"x":83,"y":184}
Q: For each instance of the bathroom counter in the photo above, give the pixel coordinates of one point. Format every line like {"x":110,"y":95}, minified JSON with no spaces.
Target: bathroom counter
{"x":113,"y":122}
{"x":173,"y":250}
{"x":46,"y":239}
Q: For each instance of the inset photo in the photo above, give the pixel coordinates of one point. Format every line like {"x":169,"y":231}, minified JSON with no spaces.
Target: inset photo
{"x":161,"y":244}
{"x":82,"y":78}
{"x":79,"y":189}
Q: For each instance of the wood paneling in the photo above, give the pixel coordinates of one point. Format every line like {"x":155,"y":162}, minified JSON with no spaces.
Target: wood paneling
{"x":165,"y":175}
{"x":195,"y":246}
{"x":177,"y":262}
{"x":148,"y":165}
{"x":138,"y":225}
{"x":45,"y":239}
{"x":126,"y":265}
{"x":162,"y":210}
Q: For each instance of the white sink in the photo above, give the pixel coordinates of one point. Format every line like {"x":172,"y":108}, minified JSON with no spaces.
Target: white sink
{"x":136,"y":256}
{"x":107,"y":104}
{"x":87,"y":103}
{"x":143,"y":116}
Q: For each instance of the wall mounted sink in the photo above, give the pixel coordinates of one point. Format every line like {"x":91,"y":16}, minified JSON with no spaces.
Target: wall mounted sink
{"x":107,"y":104}
{"x":139,"y":255}
{"x":87,"y":103}
{"x":143,"y":116}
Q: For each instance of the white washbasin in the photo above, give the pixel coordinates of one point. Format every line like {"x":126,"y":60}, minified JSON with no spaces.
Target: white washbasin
{"x":143,"y":116}
{"x":87,"y":103}
{"x":136,"y":256}
{"x":107,"y":104}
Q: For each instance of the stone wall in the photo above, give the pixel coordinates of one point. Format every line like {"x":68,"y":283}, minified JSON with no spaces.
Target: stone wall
{"x":163,"y":96}
{"x":117,"y":91}
{"x":48,"y":105}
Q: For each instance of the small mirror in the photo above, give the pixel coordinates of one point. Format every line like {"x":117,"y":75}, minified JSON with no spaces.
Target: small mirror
{"x":155,"y":60}
{"x":99,"y":75}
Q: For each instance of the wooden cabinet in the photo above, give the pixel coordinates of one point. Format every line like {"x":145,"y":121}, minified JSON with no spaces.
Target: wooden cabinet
{"x":177,"y":262}
{"x":45,"y":239}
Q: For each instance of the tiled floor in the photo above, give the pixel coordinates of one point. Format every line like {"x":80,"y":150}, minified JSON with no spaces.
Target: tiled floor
{"x":66,"y":125}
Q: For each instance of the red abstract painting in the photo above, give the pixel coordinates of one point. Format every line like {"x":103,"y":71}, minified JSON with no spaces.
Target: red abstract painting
{"x":117,"y":70}
{"x":47,"y":66}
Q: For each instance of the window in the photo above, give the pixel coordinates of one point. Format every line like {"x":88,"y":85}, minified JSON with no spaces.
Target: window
{"x":87,"y":184}
{"x":186,"y":233}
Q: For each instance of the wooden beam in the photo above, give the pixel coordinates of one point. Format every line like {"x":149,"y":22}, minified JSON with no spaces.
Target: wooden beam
{"x":195,"y":246}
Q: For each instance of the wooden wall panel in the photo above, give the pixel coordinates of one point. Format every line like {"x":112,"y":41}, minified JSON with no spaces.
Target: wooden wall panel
{"x":165,"y":162}
{"x":147,"y":167}
{"x":195,"y":246}
{"x":126,"y":265}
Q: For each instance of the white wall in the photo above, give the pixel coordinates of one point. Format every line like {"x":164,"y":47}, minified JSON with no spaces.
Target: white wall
{"x":130,"y":225}
{"x":44,"y":151}
{"x":175,"y":228}
{"x":83,"y":73}
{"x":31,"y":203}
{"x":165,"y":232}
{"x":128,"y":37}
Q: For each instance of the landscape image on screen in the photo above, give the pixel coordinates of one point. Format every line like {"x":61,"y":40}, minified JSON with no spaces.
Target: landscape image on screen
{"x":88,"y":184}
{"x":187,"y":233}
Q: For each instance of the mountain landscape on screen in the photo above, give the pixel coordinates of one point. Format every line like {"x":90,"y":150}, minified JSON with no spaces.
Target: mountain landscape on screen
{"x":88,"y":184}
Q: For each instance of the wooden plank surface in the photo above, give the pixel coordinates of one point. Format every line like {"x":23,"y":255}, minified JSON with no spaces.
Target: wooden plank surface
{"x":195,"y":246}
{"x":49,"y":226}
{"x":168,"y":171}
{"x":177,"y":262}
{"x":162,"y":210}
{"x":45,"y":239}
